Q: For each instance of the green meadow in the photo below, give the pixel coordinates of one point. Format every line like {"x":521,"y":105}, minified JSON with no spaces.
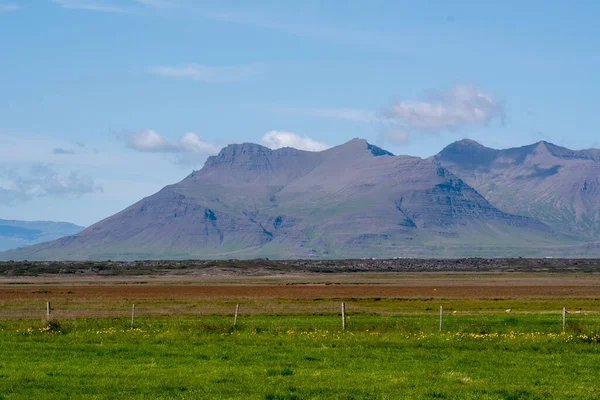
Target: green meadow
{"x":303,"y":356}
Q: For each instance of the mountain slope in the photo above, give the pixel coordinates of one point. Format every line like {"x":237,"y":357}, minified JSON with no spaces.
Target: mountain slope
{"x":14,"y":234}
{"x":353,"y":200}
{"x":552,"y":184}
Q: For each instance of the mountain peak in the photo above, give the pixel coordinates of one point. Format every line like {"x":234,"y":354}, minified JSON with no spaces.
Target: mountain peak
{"x":243,"y":148}
{"x":353,"y":200}
{"x":358,"y":146}
{"x":544,"y":147}
{"x":468,"y":153}
{"x":466,"y":145}
{"x":238,"y":154}
{"x":356,"y":143}
{"x":468,"y":142}
{"x":544,"y":144}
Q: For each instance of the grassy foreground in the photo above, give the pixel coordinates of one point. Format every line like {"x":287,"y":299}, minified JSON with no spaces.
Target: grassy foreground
{"x":301,"y":357}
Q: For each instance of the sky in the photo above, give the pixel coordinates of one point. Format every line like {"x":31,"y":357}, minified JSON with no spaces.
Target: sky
{"x":104,"y":102}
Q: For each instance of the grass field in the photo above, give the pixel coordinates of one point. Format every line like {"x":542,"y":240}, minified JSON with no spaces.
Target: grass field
{"x":290,"y":345}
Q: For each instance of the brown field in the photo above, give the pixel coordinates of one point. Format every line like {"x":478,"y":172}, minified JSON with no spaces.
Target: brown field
{"x":440,"y":290}
{"x":25,"y":297}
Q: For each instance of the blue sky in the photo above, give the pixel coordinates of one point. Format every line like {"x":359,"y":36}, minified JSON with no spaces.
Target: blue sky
{"x":105,"y":102}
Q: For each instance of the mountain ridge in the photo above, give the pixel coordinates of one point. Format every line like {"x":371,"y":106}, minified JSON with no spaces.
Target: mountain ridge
{"x":351,"y":200}
{"x":556,"y":185}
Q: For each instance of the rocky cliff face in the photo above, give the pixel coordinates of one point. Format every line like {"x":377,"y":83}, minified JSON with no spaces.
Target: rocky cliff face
{"x":353,"y":200}
{"x":552,"y":184}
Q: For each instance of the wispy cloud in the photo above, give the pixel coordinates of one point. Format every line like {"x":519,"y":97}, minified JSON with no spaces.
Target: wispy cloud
{"x":8,"y":7}
{"x":210,"y":74}
{"x":457,"y":107}
{"x":347,"y":114}
{"x":278,"y":139}
{"x":153,"y":3}
{"x":92,"y":5}
{"x":152,"y":142}
{"x":62,"y":152}
{"x":17,"y":186}
{"x":328,"y":33}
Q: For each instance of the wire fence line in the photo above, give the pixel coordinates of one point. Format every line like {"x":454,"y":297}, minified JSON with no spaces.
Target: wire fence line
{"x":349,"y":319}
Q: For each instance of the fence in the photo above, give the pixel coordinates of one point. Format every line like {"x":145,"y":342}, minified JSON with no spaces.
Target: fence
{"x":464,"y":320}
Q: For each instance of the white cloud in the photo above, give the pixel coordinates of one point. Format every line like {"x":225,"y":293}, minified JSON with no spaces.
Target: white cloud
{"x":8,"y":7}
{"x":17,"y":186}
{"x":210,"y":74}
{"x":347,"y":114}
{"x":279,"y":139}
{"x":192,"y":143}
{"x":152,"y":142}
{"x":90,"y":5}
{"x":457,"y":107}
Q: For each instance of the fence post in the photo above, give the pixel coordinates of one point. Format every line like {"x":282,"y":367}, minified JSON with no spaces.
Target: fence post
{"x":48,"y":311}
{"x":564,"y":318}
{"x":132,"y":316}
{"x":344,"y":316}
{"x":441,"y":313}
{"x":237,"y":308}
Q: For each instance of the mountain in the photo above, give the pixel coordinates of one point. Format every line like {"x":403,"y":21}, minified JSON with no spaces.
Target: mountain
{"x":353,"y":200}
{"x":552,"y":184}
{"x":15,"y":234}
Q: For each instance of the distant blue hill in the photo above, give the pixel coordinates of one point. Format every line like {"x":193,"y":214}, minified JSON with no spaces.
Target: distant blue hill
{"x":14,"y":234}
